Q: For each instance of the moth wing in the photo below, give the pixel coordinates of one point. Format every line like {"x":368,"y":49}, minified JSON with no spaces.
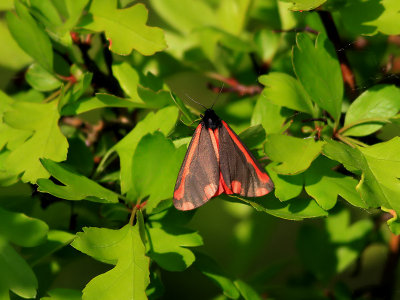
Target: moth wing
{"x":240,"y":170}
{"x":198,"y":177}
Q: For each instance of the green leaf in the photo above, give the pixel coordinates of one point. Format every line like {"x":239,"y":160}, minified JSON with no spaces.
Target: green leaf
{"x":168,"y":247}
{"x":247,"y":291}
{"x":56,"y":239}
{"x":58,"y":18}
{"x":46,"y":141}
{"x":304,"y":4}
{"x":350,"y":239}
{"x":286,"y":186}
{"x":382,"y":16}
{"x":253,"y":136}
{"x":272,"y":117}
{"x":294,"y":154}
{"x":184,"y":16}
{"x":122,"y":248}
{"x":125,"y":28}
{"x":76,"y":186}
{"x":295,"y":209}
{"x":318,"y":70}
{"x":63,"y":294}
{"x":164,"y":120}
{"x":284,"y":90}
{"x":30,"y":37}
{"x":325,"y":185}
{"x":380,"y":101}
{"x":232,"y":15}
{"x":21,"y":229}
{"x":40,"y":79}
{"x":210,"y":268}
{"x":155,"y":166}
{"x":380,"y":167}
{"x":15,"y":273}
{"x":267,"y":43}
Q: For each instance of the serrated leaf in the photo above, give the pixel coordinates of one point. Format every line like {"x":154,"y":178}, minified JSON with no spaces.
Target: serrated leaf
{"x":29,"y":36}
{"x":284,"y":90}
{"x":325,"y":185}
{"x":168,"y":247}
{"x":210,"y":268}
{"x":76,"y":186}
{"x":46,"y":141}
{"x":294,"y":154}
{"x":380,"y":101}
{"x":40,"y":79}
{"x":318,"y":70}
{"x":125,"y":28}
{"x":164,"y":120}
{"x":63,"y":294}
{"x":155,"y":166}
{"x":380,"y":167}
{"x":122,"y":248}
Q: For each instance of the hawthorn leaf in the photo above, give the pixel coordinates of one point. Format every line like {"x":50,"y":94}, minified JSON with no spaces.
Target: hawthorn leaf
{"x":325,"y":185}
{"x":294,"y":154}
{"x":304,"y":4}
{"x":29,"y":36}
{"x":253,"y":136}
{"x":210,"y":268}
{"x":126,"y":29}
{"x":272,"y":117}
{"x":168,"y":246}
{"x":380,"y":101}
{"x":40,"y":79}
{"x":185,"y":16}
{"x":232,"y":15}
{"x":295,"y":209}
{"x":284,"y":90}
{"x":318,"y":71}
{"x":76,"y":186}
{"x":63,"y":294}
{"x":350,"y":239}
{"x":15,"y":274}
{"x":21,"y":229}
{"x":286,"y":186}
{"x":247,"y":292}
{"x":46,"y":141}
{"x":56,"y":239}
{"x":155,"y":166}
{"x":378,"y":16}
{"x":164,"y":121}
{"x":124,"y":249}
{"x":380,"y":169}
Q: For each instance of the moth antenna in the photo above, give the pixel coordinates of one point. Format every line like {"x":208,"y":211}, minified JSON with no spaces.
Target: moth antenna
{"x":195,"y":101}
{"x":219,"y":93}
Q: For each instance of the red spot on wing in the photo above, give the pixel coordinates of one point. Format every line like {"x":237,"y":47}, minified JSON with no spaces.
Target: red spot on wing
{"x":236,"y":186}
{"x":261,"y":192}
{"x":261,"y":175}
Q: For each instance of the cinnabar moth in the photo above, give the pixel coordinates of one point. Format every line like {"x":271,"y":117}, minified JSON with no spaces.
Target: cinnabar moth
{"x":217,"y":162}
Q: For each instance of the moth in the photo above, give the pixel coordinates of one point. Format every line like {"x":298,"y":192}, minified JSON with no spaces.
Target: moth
{"x":218,"y":162}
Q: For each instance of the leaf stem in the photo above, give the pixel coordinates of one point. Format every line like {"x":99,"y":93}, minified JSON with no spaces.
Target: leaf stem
{"x":134,"y":209}
{"x":58,"y":92}
{"x":105,"y":161}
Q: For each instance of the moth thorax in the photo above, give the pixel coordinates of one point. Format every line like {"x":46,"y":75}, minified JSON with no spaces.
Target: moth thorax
{"x":211,"y":120}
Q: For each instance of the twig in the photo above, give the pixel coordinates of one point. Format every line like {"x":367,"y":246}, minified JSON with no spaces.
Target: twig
{"x":234,"y":86}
